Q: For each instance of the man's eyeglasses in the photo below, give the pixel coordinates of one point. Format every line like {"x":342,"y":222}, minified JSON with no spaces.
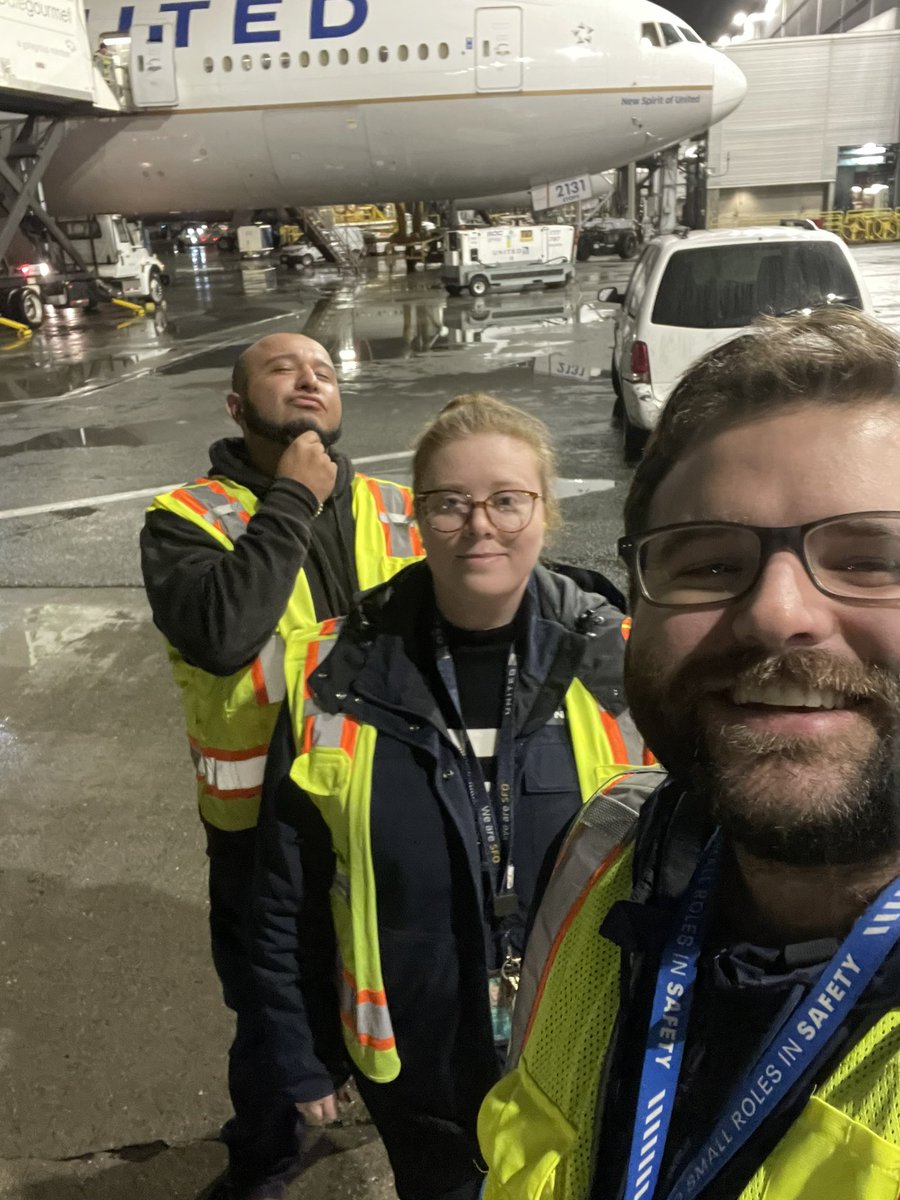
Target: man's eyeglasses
{"x":445,"y":512}
{"x":855,"y":556}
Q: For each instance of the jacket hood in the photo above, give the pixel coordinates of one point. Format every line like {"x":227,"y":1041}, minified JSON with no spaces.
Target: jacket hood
{"x":385,"y":648}
{"x":228,"y":457}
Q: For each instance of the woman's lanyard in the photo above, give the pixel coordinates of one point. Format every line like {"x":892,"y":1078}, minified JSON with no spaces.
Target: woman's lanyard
{"x":801,"y":1040}
{"x":493,"y":809}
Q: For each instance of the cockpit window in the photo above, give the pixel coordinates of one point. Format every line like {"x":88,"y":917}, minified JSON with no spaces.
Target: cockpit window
{"x":670,"y":35}
{"x":650,"y":33}
{"x":689,"y":35}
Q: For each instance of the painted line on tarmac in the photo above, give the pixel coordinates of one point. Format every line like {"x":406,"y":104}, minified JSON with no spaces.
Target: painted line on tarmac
{"x":36,"y":510}
{"x":567,"y":488}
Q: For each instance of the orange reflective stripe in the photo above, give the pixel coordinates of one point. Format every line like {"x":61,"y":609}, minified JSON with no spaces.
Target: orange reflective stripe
{"x":228,"y":755}
{"x":215,"y":486}
{"x":625,"y":628}
{"x":185,"y":498}
{"x":365,"y":1013}
{"x":349,"y":734}
{"x":415,"y":537}
{"x":329,"y":626}
{"x":614,"y":733}
{"x":366,"y":1039}
{"x":312,"y":661}
{"x":258,"y":675}
{"x":649,"y":759}
{"x":564,"y":929}
{"x":309,"y":726}
{"x":251,"y":793}
{"x":382,"y":512}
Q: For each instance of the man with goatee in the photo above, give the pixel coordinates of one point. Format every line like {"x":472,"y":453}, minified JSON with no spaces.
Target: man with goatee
{"x":711,"y":1001}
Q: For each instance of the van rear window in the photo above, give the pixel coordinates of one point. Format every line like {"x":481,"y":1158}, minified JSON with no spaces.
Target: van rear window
{"x":725,"y":287}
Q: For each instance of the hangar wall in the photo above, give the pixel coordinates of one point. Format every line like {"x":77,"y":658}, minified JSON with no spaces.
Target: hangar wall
{"x":777,"y":155}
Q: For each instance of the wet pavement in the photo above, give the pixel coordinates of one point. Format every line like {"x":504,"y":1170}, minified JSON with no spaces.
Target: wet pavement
{"x":112,"y":1035}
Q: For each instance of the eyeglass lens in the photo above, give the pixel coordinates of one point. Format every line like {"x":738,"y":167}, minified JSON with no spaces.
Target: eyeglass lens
{"x":855,"y":558}
{"x":508,"y":511}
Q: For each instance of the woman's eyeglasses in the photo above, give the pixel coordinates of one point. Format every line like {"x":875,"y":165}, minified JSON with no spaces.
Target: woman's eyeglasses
{"x":508,"y":510}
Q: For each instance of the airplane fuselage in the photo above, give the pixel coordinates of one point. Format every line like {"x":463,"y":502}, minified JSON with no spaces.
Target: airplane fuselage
{"x":332,"y":101}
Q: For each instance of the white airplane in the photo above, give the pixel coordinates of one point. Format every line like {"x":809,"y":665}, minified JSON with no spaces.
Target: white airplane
{"x":251,"y":103}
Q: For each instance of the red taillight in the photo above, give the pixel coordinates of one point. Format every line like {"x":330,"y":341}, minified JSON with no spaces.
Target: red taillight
{"x":640,"y":362}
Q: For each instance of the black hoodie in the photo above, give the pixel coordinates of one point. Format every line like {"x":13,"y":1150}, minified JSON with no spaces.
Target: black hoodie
{"x":218,"y":608}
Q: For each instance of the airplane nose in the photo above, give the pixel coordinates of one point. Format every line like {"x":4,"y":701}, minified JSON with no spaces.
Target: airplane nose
{"x":729,"y":87}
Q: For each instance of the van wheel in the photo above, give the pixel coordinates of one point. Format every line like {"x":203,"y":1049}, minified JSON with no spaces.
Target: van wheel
{"x":306,"y":260}
{"x":155,"y":287}
{"x":453,"y":288}
{"x":626,"y":246}
{"x":26,"y":306}
{"x":583,"y":253}
{"x":479,"y":285}
{"x":634,"y":439}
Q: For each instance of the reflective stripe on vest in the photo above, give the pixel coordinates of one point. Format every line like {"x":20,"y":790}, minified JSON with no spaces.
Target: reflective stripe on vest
{"x":395,"y":512}
{"x":537,"y":1126}
{"x":334,"y":768}
{"x":230,"y":719}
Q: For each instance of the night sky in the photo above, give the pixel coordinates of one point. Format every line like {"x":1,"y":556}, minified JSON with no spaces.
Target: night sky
{"x":710,"y":18}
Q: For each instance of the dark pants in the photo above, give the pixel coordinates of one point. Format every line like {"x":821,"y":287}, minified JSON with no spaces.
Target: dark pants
{"x":263,"y":1136}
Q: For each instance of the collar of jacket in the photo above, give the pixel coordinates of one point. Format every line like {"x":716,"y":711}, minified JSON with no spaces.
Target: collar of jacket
{"x":228,"y":457}
{"x":385,"y":655}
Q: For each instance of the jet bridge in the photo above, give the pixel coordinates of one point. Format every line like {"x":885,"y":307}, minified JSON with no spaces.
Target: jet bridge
{"x":49,"y":71}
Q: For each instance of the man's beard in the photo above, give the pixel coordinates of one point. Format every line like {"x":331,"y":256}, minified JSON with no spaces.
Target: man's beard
{"x":792,"y":799}
{"x":283,"y":435}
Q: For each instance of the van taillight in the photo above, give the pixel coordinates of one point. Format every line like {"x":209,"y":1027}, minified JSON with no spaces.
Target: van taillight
{"x":640,"y":363}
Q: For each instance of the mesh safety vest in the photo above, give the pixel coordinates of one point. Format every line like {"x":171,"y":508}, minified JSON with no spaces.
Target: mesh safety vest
{"x":537,"y":1125}
{"x":230,"y":718}
{"x":334,"y":768}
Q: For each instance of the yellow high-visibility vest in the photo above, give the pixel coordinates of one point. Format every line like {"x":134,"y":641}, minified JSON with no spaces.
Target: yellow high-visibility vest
{"x":537,"y":1125}
{"x":230,"y":718}
{"x":334,"y":768}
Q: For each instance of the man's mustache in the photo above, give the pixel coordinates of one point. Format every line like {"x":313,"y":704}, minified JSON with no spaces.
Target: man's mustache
{"x":814,"y":670}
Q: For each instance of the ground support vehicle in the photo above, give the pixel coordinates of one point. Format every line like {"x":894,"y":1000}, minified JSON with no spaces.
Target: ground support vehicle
{"x":116,"y":249}
{"x":117,"y":263}
{"x":253,"y":241}
{"x":298,"y":256}
{"x":609,"y":235}
{"x":691,"y":291}
{"x":507,"y":256}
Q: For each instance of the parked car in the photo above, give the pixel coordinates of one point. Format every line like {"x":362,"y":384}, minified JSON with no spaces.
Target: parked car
{"x":692,"y":291}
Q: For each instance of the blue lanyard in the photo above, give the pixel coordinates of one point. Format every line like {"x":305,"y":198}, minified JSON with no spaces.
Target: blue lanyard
{"x":493,"y":811}
{"x":800,"y":1041}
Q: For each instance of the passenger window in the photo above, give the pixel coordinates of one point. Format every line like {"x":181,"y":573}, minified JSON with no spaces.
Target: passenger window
{"x":265,"y":61}
{"x":343,"y":57}
{"x":443,"y":50}
{"x":403,"y":53}
{"x":304,"y":58}
{"x":227,"y":64}
{"x":689,"y":35}
{"x":650,"y":34}
{"x":670,"y":35}
{"x":638,"y":283}
{"x":383,"y":54}
{"x":423,"y":51}
{"x":363,"y":54}
{"x":246,"y":62}
{"x":285,"y":59}
{"x":324,"y":58}
{"x":208,"y":65}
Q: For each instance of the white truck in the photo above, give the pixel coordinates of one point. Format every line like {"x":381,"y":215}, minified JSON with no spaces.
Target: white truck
{"x":507,"y":256}
{"x":117,"y":250}
{"x":117,"y":260}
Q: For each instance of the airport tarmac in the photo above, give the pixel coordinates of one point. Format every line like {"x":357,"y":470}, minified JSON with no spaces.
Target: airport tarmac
{"x":112,"y":1033}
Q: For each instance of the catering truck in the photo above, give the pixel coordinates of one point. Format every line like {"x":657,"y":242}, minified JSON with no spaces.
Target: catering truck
{"x":117,"y":262}
{"x":507,"y":256}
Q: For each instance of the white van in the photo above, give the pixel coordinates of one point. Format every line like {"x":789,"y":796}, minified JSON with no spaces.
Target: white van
{"x":692,"y":291}
{"x":507,"y":256}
